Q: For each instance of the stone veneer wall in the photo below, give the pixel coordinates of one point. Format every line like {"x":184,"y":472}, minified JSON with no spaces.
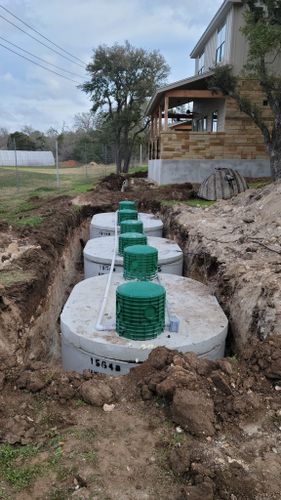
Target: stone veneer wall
{"x":241,"y":138}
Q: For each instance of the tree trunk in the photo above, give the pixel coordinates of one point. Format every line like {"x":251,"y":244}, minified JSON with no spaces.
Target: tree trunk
{"x":275,"y":164}
{"x":118,"y":160}
{"x":275,"y":149}
{"x":127,"y":160}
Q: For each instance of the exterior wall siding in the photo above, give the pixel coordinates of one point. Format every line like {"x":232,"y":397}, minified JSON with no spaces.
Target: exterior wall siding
{"x":239,"y":46}
{"x":240,"y":138}
{"x":211,"y":45}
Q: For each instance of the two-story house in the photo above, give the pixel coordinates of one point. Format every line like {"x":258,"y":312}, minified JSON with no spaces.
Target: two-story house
{"x":195,"y":129}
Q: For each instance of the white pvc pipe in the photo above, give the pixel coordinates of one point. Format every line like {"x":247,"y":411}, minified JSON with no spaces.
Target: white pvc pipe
{"x":99,"y":325}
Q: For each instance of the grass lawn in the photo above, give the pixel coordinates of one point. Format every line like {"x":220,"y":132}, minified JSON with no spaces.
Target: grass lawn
{"x":15,"y":192}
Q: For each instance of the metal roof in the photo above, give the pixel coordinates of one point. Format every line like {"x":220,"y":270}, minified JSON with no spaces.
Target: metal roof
{"x":26,"y":158}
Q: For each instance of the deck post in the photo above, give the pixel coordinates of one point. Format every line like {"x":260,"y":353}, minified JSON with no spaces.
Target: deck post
{"x":166,"y":108}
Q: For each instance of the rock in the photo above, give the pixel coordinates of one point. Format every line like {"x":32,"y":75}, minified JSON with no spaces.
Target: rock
{"x":32,"y":381}
{"x":246,"y":403}
{"x":274,"y":370}
{"x":146,"y":394}
{"x":176,"y":378}
{"x":108,"y":408}
{"x":159,"y":358}
{"x":194,"y":412}
{"x":225,"y":366}
{"x":179,"y":460}
{"x":96,"y":392}
{"x":221,"y":383}
{"x":192,"y":360}
{"x":66,"y":391}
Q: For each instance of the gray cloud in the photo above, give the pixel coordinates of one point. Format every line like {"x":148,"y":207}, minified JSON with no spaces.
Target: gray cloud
{"x":30,"y":95}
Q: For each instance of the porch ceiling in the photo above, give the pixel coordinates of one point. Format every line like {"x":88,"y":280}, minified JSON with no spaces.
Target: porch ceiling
{"x":177,"y":96}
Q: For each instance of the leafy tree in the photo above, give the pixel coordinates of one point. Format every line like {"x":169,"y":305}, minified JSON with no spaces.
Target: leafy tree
{"x":122,"y":78}
{"x":84,"y":122}
{"x":22,"y":142}
{"x":262,"y":30}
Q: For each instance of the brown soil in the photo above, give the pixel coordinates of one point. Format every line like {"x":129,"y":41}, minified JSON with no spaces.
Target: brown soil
{"x":176,"y":426}
{"x":234,"y":247}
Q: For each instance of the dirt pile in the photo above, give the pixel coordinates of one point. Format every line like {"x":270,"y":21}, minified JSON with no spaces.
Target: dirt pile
{"x":148,"y":195}
{"x":222,"y":406}
{"x":234,"y":246}
{"x":211,"y":428}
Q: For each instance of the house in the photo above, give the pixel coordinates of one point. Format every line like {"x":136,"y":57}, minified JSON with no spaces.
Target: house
{"x":195,"y":128}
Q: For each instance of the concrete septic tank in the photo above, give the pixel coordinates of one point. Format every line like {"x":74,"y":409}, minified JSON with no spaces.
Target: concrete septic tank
{"x":202,"y":326}
{"x":103,"y":224}
{"x":98,"y":255}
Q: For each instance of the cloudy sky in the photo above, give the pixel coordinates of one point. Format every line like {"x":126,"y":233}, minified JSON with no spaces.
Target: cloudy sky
{"x":35,"y":97}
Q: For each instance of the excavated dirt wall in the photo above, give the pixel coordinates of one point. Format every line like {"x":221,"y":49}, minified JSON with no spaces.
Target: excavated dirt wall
{"x":234,"y":248}
{"x":46,"y":264}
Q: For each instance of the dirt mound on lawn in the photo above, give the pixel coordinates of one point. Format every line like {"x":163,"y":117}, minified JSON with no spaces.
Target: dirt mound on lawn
{"x":147,"y":194}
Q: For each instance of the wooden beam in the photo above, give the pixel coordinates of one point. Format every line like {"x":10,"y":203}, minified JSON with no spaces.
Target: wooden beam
{"x":166,"y":108}
{"x":160,"y":119}
{"x":194,"y":94}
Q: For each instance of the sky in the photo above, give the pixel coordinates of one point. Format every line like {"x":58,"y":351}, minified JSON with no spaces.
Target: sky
{"x":31,"y":96}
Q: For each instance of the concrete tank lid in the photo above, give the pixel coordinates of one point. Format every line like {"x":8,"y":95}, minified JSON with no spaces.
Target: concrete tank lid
{"x":203,"y":324}
{"x":100,"y":250}
{"x":106,"y":220}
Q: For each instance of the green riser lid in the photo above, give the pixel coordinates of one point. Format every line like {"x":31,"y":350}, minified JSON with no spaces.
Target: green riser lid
{"x":124,"y":204}
{"x":131,"y":226}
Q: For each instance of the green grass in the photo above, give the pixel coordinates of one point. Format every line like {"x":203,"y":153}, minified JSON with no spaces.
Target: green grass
{"x":9,"y":278}
{"x":17,"y":206}
{"x":257,"y":184}
{"x":134,"y":170}
{"x":194,"y":202}
{"x":16,"y":465}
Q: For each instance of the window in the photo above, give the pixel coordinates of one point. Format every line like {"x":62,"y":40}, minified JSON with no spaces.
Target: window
{"x":220,"y":44}
{"x":201,"y":63}
{"x":214,"y":127}
{"x":201,"y":124}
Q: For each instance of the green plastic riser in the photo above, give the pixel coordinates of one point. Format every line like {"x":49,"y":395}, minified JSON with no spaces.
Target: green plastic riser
{"x":128,"y":239}
{"x":140,"y":262}
{"x":127,"y":214}
{"x":140,"y":310}
{"x":131,"y":226}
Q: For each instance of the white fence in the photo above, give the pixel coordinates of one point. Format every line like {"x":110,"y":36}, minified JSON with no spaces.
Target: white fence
{"x":26,"y":158}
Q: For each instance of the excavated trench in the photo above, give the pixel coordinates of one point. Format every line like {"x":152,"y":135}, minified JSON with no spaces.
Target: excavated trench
{"x":30,"y":313}
{"x":229,"y":409}
{"x":39,"y":334}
